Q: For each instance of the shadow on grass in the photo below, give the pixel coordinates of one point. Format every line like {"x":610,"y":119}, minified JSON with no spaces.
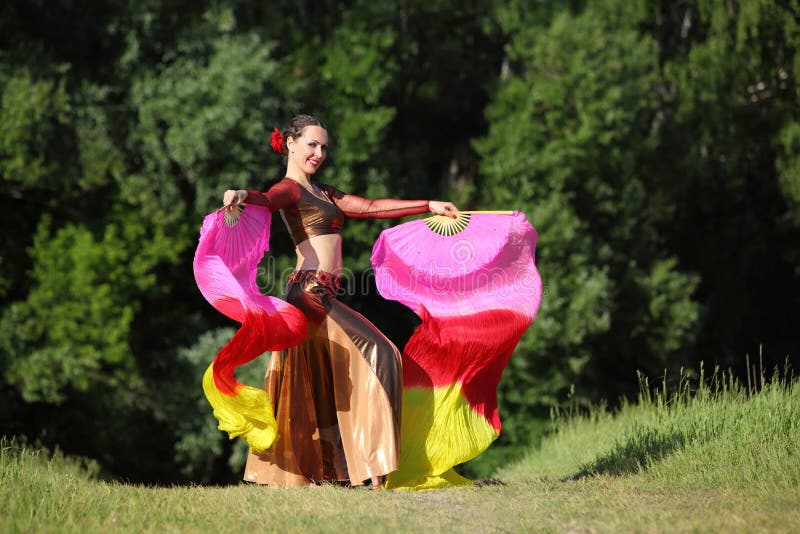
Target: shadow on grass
{"x":489,"y":482}
{"x":634,"y":454}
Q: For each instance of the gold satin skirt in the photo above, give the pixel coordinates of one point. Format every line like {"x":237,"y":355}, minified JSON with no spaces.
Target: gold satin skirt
{"x":336,"y":396}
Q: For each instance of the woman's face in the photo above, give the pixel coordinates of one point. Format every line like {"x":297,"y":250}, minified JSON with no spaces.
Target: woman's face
{"x":309,"y":150}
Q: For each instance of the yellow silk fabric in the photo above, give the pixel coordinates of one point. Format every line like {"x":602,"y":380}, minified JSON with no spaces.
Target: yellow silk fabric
{"x":439,"y":430}
{"x":247,"y":414}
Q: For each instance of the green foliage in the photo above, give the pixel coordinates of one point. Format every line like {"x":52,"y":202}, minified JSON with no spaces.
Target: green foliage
{"x":788,"y":166}
{"x":203,"y":116}
{"x":570,"y":132}
{"x":730,"y":101}
{"x":73,"y":329}
{"x":34,"y":115}
{"x":200,"y":447}
{"x":101,"y":160}
{"x":198,"y":441}
{"x":354,"y":74}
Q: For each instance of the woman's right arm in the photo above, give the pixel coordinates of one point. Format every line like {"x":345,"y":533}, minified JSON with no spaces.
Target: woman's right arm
{"x":281,"y":195}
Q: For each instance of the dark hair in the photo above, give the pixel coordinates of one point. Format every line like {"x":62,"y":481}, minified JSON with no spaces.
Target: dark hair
{"x":296,"y":127}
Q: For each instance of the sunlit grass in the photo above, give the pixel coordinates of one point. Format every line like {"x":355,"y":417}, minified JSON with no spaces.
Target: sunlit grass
{"x":709,"y":433}
{"x":705,"y":457}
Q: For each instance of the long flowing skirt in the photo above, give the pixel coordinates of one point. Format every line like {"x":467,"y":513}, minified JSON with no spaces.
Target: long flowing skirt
{"x":336,"y":397}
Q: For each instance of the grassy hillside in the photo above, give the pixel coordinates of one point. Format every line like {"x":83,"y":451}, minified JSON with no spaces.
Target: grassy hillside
{"x":713,"y":459}
{"x":715,"y":436}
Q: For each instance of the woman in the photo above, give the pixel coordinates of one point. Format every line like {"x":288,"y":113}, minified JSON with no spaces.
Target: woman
{"x":337,"y":395}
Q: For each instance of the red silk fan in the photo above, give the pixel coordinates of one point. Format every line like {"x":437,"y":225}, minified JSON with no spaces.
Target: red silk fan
{"x":225,"y":266}
{"x":474,"y":283}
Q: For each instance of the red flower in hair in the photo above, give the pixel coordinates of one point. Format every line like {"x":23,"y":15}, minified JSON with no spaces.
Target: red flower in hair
{"x":276,"y":140}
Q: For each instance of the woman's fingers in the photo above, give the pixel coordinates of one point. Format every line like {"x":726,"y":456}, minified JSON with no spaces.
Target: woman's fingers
{"x":232,"y":198}
{"x":443,"y":208}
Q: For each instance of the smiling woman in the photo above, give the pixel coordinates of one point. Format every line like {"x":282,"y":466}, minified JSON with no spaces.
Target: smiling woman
{"x":305,"y":143}
{"x":337,"y":395}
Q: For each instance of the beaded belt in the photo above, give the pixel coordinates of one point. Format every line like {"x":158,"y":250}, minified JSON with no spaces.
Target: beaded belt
{"x":331,"y":282}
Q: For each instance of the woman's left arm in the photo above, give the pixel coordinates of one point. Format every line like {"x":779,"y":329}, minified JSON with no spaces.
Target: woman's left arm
{"x":386,"y":208}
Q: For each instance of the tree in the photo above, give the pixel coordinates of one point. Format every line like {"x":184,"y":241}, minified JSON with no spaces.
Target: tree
{"x":573,"y":128}
{"x":730,"y":112}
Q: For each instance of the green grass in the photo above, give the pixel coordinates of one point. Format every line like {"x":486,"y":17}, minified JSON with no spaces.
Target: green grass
{"x":712,"y":459}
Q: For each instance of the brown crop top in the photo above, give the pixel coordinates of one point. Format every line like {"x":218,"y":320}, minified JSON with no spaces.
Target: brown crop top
{"x":307,"y":215}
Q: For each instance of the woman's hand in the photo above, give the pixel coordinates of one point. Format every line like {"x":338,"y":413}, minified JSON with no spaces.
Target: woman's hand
{"x":443,"y":208}
{"x":233,"y":198}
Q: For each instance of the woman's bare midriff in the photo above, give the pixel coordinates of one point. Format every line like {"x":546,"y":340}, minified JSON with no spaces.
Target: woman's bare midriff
{"x":320,"y":253}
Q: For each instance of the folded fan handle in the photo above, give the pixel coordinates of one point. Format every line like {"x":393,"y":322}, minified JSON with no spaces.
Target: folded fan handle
{"x":502,"y":212}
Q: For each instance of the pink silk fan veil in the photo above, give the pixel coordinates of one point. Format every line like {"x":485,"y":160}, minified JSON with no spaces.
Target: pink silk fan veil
{"x":225,"y":267}
{"x":474,"y":284}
